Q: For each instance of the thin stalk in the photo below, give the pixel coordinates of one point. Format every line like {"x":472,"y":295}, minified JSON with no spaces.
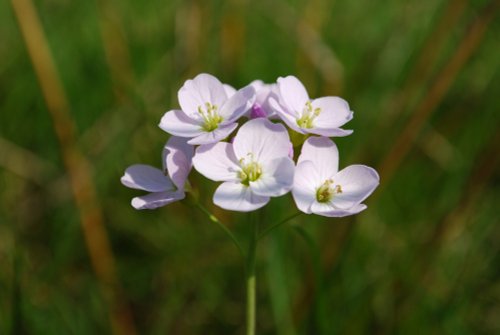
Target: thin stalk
{"x":251,"y":278}
{"x":276,"y":225}
{"x":215,"y":220}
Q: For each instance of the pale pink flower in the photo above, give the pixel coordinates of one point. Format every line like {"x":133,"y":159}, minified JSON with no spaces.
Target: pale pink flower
{"x":253,"y":168}
{"x":165,"y":185}
{"x":321,"y":189}
{"x":264,"y":93}
{"x":208,"y":114}
{"x":322,"y":116}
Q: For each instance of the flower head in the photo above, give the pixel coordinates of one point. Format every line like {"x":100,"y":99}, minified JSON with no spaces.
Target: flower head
{"x":165,"y":185}
{"x":264,"y":93}
{"x":209,"y":110}
{"x":322,"y":116}
{"x":320,"y":188}
{"x":253,"y":168}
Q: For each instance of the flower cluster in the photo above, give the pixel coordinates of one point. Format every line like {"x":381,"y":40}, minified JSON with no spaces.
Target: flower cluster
{"x":257,"y":163}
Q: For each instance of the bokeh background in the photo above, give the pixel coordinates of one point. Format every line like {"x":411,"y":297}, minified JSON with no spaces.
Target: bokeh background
{"x":83,"y":85}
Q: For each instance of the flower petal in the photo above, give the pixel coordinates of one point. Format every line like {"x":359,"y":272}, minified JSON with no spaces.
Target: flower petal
{"x":324,"y":155}
{"x":217,"y":162}
{"x":262,"y":139}
{"x":329,"y":132}
{"x":288,"y":118}
{"x":293,"y":93}
{"x":200,"y":90}
{"x":177,"y":158}
{"x":238,"y":197}
{"x":238,"y":104}
{"x":276,"y":178}
{"x":357,"y":182}
{"x":230,"y":90}
{"x":147,"y":178}
{"x":272,"y":93}
{"x":327,"y":209}
{"x":305,"y":182}
{"x":177,"y":123}
{"x":335,"y":113}
{"x":155,"y":200}
{"x":215,"y":135}
{"x":257,"y":111}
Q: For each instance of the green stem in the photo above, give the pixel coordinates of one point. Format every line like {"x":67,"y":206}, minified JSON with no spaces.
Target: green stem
{"x":276,"y":225}
{"x":214,"y":219}
{"x":251,"y":278}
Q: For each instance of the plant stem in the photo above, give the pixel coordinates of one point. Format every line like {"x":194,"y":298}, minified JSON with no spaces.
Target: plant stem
{"x":276,"y":225}
{"x":215,"y":220}
{"x":251,"y":278}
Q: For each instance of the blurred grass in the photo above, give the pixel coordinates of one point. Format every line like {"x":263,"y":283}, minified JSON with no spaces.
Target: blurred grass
{"x":422,"y":259}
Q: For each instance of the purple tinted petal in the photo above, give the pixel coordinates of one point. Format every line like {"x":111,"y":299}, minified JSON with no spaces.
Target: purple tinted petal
{"x":257,"y":111}
{"x":217,"y":162}
{"x":179,"y":124}
{"x":293,"y":93}
{"x":329,"y":132}
{"x":200,"y":90}
{"x":147,"y":178}
{"x":357,"y":182}
{"x":155,"y":200}
{"x":261,"y":106}
{"x":335,"y":112}
{"x":178,"y":157}
{"x":272,"y":93}
{"x":261,"y":139}
{"x":276,"y":178}
{"x":238,"y":104}
{"x":305,"y":182}
{"x":215,"y":135}
{"x":289,"y":119}
{"x":230,"y":90}
{"x":324,"y":155}
{"x":238,"y":197}
{"x":327,"y":209}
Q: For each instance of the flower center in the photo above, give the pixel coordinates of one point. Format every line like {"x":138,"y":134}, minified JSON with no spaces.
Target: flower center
{"x":308,"y":116}
{"x":210,"y":116}
{"x":327,"y":191}
{"x":250,"y":171}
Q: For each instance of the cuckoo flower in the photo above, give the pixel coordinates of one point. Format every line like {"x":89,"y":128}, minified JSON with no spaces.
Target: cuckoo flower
{"x":321,"y":189}
{"x":208,"y":114}
{"x":253,"y":168}
{"x":263,"y":94}
{"x":322,"y":116}
{"x":166,"y":185}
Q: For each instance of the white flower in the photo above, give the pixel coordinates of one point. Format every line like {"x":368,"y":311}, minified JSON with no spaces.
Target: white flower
{"x":322,"y":116}
{"x":253,"y":168}
{"x":320,"y":188}
{"x":208,"y":114}
{"x":166,"y":185}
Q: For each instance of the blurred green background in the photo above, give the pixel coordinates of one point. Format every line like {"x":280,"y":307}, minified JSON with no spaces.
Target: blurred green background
{"x":83,"y":86}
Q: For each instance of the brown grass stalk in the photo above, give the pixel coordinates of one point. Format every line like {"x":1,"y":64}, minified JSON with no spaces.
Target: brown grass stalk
{"x":469,"y":43}
{"x":452,"y":224}
{"x":429,"y":54}
{"x":25,"y":163}
{"x":116,"y":50}
{"x":77,"y":166}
